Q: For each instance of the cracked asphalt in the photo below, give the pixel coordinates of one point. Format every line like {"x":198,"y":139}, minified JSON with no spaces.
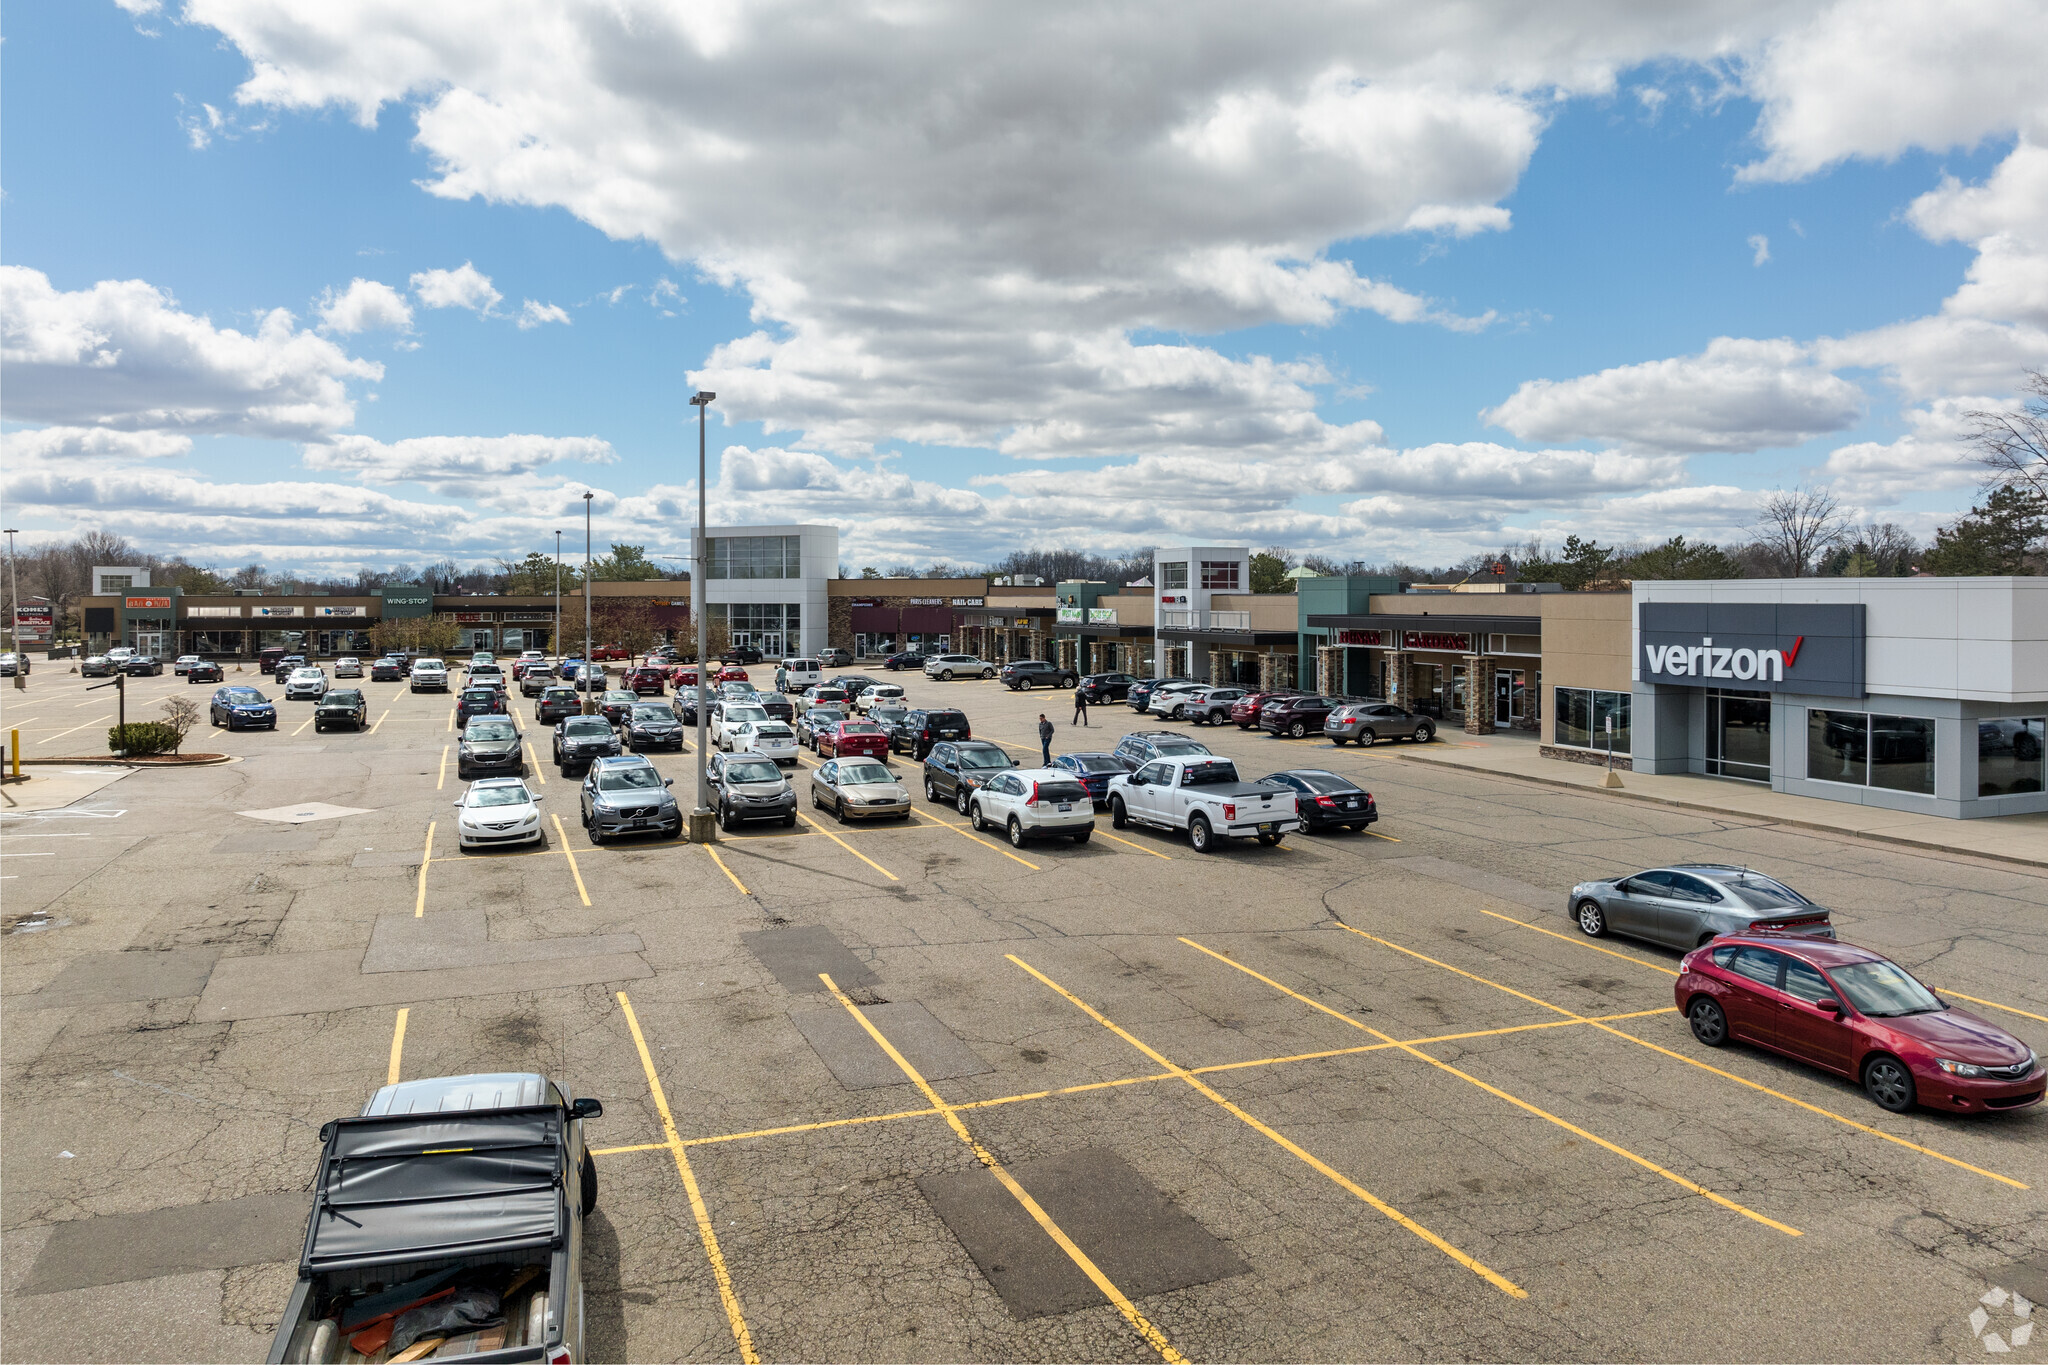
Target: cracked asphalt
{"x":1386,"y":1208}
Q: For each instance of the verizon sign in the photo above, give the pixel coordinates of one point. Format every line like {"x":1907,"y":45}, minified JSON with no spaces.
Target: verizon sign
{"x":1810,"y":647}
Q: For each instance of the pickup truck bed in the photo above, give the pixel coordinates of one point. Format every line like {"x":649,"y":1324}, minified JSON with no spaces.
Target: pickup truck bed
{"x":1203,"y":796}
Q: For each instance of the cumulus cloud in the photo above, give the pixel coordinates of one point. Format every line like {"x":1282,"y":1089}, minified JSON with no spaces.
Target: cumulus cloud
{"x":94,"y":443}
{"x":451,"y":458}
{"x":1931,"y":456}
{"x":532,"y":315}
{"x":1737,"y":395}
{"x":122,"y":355}
{"x":364,"y":306}
{"x":463,"y":287}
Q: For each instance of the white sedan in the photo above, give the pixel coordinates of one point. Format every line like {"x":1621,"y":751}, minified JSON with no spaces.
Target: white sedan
{"x":348,"y":666}
{"x":310,"y":683}
{"x":769,"y":738}
{"x":730,"y":714}
{"x":183,"y":664}
{"x":881,"y":694}
{"x":497,"y":810}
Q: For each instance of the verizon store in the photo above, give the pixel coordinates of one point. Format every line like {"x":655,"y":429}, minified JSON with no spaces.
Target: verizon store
{"x":1922,"y":694}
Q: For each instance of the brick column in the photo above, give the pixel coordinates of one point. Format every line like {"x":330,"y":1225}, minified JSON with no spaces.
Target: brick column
{"x":1400,"y":679}
{"x":1479,"y":703}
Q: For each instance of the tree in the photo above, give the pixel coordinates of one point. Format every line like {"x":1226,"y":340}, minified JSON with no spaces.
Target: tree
{"x":251,"y":575}
{"x":625,"y":621}
{"x":1269,"y":570}
{"x":1793,"y":529}
{"x":188,"y":578}
{"x":2014,"y":445}
{"x":625,"y":564}
{"x":1577,"y":567}
{"x":870,"y":571}
{"x":1883,"y":549}
{"x":1324,"y":565}
{"x":181,"y":714}
{"x":534,"y":576}
{"x":2002,"y":535}
{"x":1677,"y":559}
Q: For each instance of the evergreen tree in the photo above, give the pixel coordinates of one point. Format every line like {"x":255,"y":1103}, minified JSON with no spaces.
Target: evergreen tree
{"x":2002,"y":535}
{"x":1677,"y":559}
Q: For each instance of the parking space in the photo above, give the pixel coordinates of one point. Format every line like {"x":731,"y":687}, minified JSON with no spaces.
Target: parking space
{"x":902,"y":1090}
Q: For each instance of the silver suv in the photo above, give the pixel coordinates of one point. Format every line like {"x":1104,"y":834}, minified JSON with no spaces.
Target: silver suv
{"x":1368,"y":722}
{"x":946,"y":667}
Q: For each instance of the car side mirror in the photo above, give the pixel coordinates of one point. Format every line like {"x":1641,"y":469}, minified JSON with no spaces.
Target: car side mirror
{"x":1828,"y":1006}
{"x":668,"y":782}
{"x":589,"y":1107}
{"x":456,"y":804}
{"x":1625,"y":887}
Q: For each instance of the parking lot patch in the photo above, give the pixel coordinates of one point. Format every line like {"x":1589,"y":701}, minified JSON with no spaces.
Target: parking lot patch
{"x":114,"y":978}
{"x":462,"y":938}
{"x":304,"y":813}
{"x":282,"y":841}
{"x":145,"y":1246}
{"x":853,"y":1057}
{"x":798,"y":953}
{"x":1486,"y":883}
{"x":1134,"y":1233}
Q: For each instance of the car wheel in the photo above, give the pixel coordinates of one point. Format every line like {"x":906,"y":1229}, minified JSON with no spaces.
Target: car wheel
{"x":1179,"y":712}
{"x":1296,"y":730}
{"x":1119,"y":818}
{"x":974,"y":820}
{"x":1887,"y":1081}
{"x":987,"y":673}
{"x":839,"y":809}
{"x":589,"y":1184}
{"x":946,"y":675}
{"x":931,"y":793}
{"x":1200,"y":835}
{"x":1016,"y":833}
{"x":1271,"y":840}
{"x":960,"y":799}
{"x":1592,"y":919}
{"x":726,"y":819}
{"x":1709,"y":1024}
{"x":1366,"y":739}
{"x":597,"y":834}
{"x":1424,"y":733}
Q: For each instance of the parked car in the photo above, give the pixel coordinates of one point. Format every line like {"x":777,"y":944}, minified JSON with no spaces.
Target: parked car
{"x":479,"y":701}
{"x":1140,"y":692}
{"x":954,"y":769}
{"x":1140,"y":747}
{"x":180,"y":665}
{"x":684,"y":705}
{"x":1198,"y":705}
{"x":729,"y":713}
{"x":1244,"y":712}
{"x":775,"y":704}
{"x":535,"y":681}
{"x":242,"y":708}
{"x":147,"y":666}
{"x":835,"y":657}
{"x":581,"y":740}
{"x":1859,"y":1015}
{"x":798,"y":674}
{"x":924,"y":727}
{"x":1327,"y":800}
{"x":585,"y":677}
{"x":1034,"y":803}
{"x":609,"y":653}
{"x":306,"y":683}
{"x":348,"y":666}
{"x":1092,"y":771}
{"x":206,"y":670}
{"x":890,"y":716}
{"x":490,"y":745}
{"x":772,"y":739}
{"x":858,"y":789}
{"x":96,"y":666}
{"x":1024,"y":674}
{"x":286,"y":665}
{"x":629,"y":796}
{"x":407,"y":1206}
{"x":13,"y":665}
{"x":496,"y":811}
{"x":486,"y":675}
{"x":1296,"y":717}
{"x":823,"y":695}
{"x":814,"y":720}
{"x":428,"y":675}
{"x":647,"y":682}
{"x":388,"y":670}
{"x":1686,"y":904}
{"x":850,"y":737}
{"x":1103,"y":688}
{"x":750,"y":787}
{"x":650,"y":725}
{"x":267,"y":657}
{"x":682,"y":675}
{"x":740,"y":654}
{"x":342,"y":706}
{"x":1368,"y":722}
{"x":557,"y":703}
{"x":852,"y":684}
{"x":121,"y":654}
{"x":616,"y":704}
{"x":878,"y":694}
{"x":904,"y":658}
{"x":730,"y":690}
{"x":1205,"y":797}
{"x":946,"y":667}
{"x":730,"y":673}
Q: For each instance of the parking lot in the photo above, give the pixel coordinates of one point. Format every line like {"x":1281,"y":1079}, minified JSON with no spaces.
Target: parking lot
{"x":905,"y":1092}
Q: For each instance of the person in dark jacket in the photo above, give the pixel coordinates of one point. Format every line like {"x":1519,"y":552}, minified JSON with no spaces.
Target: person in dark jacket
{"x":1045,"y":739}
{"x":1080,"y":707}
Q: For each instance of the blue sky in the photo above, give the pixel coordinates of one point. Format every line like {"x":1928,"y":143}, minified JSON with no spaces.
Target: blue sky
{"x":958,"y":299}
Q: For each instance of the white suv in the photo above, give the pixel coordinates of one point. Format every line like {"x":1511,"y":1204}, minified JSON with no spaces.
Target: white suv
{"x":1034,"y":803}
{"x":429,"y":675}
{"x":946,"y":667}
{"x":306,"y":682}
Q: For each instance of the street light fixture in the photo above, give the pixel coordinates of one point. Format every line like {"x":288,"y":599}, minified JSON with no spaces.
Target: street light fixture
{"x":556,"y":641}
{"x":703,"y":824}
{"x":14,"y":622}
{"x":583,"y":673}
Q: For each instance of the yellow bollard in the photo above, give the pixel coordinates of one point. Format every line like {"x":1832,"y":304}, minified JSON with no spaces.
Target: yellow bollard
{"x":14,"y":752}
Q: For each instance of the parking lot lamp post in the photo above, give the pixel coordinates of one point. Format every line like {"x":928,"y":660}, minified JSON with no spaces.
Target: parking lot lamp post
{"x":583,"y":670}
{"x":556,"y":642}
{"x":703,"y":824}
{"x":14,"y":621}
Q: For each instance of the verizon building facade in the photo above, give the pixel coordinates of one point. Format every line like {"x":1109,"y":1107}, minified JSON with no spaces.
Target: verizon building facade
{"x":1923,"y":694}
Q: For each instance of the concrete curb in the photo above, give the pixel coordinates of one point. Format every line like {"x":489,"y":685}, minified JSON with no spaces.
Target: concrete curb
{"x":1723,"y":811}
{"x":108,"y":761}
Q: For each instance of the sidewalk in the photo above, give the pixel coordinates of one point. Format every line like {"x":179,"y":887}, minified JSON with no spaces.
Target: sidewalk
{"x":2010,"y":838}
{"x":53,"y":788}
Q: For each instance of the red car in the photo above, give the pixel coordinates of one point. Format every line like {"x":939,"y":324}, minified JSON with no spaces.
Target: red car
{"x":730,"y":673}
{"x":851,"y":737}
{"x":1850,"y":1011}
{"x":683,"y":675}
{"x":613,"y":652}
{"x":1244,"y":712}
{"x":646,"y":682}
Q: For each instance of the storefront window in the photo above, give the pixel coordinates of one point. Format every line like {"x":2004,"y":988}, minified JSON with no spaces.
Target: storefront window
{"x":1582,"y":715}
{"x":1220,"y":575}
{"x":756,"y":557}
{"x":2009,"y":757}
{"x":1894,"y":752}
{"x":1173,"y":575}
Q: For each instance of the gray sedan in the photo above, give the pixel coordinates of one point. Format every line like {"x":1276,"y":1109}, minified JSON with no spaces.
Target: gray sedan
{"x":1371,"y":721}
{"x":859,"y":789}
{"x":1688,"y":904}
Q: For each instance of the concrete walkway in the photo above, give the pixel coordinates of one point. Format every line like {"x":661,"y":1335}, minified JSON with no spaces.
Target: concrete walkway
{"x":2009,"y":838}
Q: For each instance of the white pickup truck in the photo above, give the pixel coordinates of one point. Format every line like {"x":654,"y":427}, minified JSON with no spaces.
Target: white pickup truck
{"x":1202,"y":795}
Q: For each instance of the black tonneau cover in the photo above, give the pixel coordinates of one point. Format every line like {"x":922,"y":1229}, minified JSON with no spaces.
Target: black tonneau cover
{"x":437,"y":1184}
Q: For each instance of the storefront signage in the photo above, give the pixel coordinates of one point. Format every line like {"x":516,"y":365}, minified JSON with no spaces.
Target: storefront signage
{"x":549,"y":616}
{"x":866,"y":602}
{"x":141,"y":603}
{"x":214,"y":611}
{"x":33,"y":624}
{"x":1070,"y":615}
{"x":1424,"y":639}
{"x":1361,"y":637}
{"x":1102,"y":616}
{"x":406,"y":602}
{"x":472,"y":617}
{"x":1810,"y":647}
{"x":1173,"y":599}
{"x":273,"y":611}
{"x":341,"y":611}
{"x":1024,"y":621}
{"x":927,"y":601}
{"x":969,"y":601}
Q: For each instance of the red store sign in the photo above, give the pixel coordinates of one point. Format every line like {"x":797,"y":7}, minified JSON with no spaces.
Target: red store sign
{"x":1422,"y":639}
{"x":1361,"y":637}
{"x":139,"y":603}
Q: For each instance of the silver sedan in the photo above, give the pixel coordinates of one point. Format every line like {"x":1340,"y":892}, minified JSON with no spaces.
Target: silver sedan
{"x":858,"y":789}
{"x":1686,"y":905}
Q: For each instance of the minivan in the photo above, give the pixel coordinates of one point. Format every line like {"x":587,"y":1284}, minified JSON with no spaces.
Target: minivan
{"x":803,"y":673}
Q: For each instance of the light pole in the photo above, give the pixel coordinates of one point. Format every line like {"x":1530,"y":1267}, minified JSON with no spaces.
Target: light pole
{"x":703,"y":824}
{"x":14,"y":622}
{"x":557,"y":640}
{"x":583,"y":673}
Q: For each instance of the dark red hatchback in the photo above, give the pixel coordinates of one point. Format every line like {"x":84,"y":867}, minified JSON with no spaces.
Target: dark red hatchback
{"x":1850,"y":1011}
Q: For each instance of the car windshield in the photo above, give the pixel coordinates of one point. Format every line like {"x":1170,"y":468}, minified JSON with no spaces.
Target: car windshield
{"x":774,"y":732}
{"x":652,"y":713}
{"x":1094,"y":763}
{"x":857,"y":774}
{"x":588,"y":725}
{"x":1765,"y":893}
{"x":628,"y":779}
{"x":1209,"y":773}
{"x":617,"y":694}
{"x":497,"y":796}
{"x":492,"y":730}
{"x":752,"y":772}
{"x":344,"y":697}
{"x":1325,"y":782}
{"x":1883,"y":990}
{"x":243,"y":695}
{"x":860,"y":728}
{"x":985,"y":758}
{"x":559,"y":694}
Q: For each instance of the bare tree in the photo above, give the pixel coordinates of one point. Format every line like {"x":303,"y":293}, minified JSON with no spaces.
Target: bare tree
{"x":1793,"y":529}
{"x":2014,"y":445}
{"x":181,"y":714}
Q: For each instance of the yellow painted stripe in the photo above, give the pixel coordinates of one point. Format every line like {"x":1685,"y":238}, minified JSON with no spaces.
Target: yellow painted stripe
{"x":848,"y":847}
{"x":397,"y":1047}
{"x":381,"y":719}
{"x":1377,"y":835}
{"x":1580,"y":943}
{"x":963,"y":832}
{"x":304,"y":723}
{"x":727,"y":871}
{"x":1526,"y":1107}
{"x":1690,"y":1061}
{"x":419,"y":905}
{"x":1153,"y":1336}
{"x":1993,"y":1004}
{"x":441,"y":778}
{"x":733,"y":1316}
{"x":1487,"y":1273}
{"x":1128,"y":844}
{"x":570,"y":854}
{"x":534,"y":759}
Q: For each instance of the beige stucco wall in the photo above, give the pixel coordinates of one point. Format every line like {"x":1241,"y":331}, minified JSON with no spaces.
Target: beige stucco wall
{"x":1586,"y":639}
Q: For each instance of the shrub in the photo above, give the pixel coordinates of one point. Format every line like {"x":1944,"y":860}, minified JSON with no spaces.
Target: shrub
{"x":180,"y":714}
{"x":143,"y":737}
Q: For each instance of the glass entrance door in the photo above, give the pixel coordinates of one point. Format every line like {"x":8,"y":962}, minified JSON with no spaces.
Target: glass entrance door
{"x":1739,"y":735}
{"x":1509,"y":696}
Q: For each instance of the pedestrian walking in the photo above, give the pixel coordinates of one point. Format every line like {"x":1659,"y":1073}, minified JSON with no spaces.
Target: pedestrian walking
{"x":1045,"y":740}
{"x":781,"y":677}
{"x":1080,"y":707}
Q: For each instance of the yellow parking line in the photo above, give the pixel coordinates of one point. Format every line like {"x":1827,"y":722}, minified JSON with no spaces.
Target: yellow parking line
{"x":1377,"y":835}
{"x":76,"y":728}
{"x":1992,"y":1004}
{"x":726,"y":870}
{"x":451,"y":720}
{"x":1690,"y":1061}
{"x":570,"y":854}
{"x":1498,"y":1093}
{"x":1577,"y":943}
{"x":441,"y":779}
{"x":397,"y":1047}
{"x":848,"y":847}
{"x":419,"y":908}
{"x":961,"y":830}
{"x":1128,"y":844}
{"x":381,"y":719}
{"x":304,"y":723}
{"x":705,"y":1231}
{"x":1152,"y":1335}
{"x":534,"y":759}
{"x":1491,"y":1276}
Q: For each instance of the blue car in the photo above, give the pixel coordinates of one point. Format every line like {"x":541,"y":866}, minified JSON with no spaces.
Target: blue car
{"x":243,"y":708}
{"x":1094,"y":771}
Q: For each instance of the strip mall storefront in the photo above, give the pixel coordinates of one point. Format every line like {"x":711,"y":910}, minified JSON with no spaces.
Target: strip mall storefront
{"x":1481,"y":672}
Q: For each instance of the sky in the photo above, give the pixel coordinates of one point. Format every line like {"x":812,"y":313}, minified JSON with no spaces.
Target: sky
{"x":340,"y":287}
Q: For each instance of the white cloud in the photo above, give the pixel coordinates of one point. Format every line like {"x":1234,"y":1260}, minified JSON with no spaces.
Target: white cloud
{"x":1759,"y":249}
{"x":1737,"y":395}
{"x":99,"y":443}
{"x":122,"y":355}
{"x":140,"y":8}
{"x":463,"y":287}
{"x":2006,"y":218}
{"x":364,"y":306}
{"x":1929,"y":457}
{"x":532,"y":315}
{"x":433,"y":459}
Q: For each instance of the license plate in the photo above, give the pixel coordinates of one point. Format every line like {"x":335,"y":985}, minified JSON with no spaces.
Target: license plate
{"x":1267,"y":828}
{"x":1065,"y":808}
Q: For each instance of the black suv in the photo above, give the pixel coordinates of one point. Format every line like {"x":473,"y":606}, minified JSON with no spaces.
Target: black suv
{"x":582,"y":740}
{"x":953,"y":770}
{"x":344,"y":707}
{"x":479,"y":701}
{"x":1142,"y":746}
{"x":1103,"y":687}
{"x":740,"y":654}
{"x":909,"y":658}
{"x":919,"y":730}
{"x":1035,"y":672}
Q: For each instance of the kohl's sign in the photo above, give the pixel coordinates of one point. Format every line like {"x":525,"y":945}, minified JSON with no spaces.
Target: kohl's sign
{"x":1807,"y":647}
